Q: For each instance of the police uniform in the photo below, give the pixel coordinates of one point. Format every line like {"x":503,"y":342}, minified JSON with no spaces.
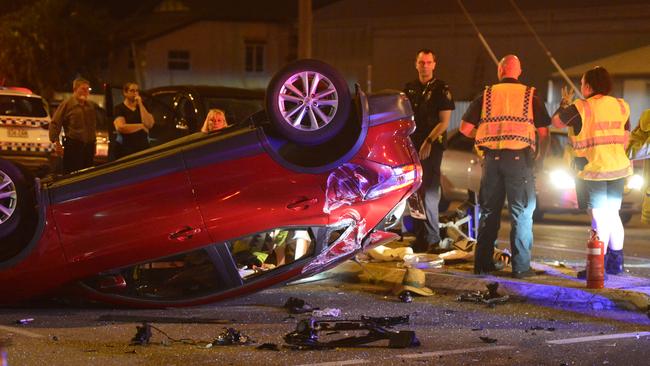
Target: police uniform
{"x":506,"y":116}
{"x":427,"y":100}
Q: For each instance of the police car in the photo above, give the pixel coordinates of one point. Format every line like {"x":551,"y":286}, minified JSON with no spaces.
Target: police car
{"x":24,"y":122}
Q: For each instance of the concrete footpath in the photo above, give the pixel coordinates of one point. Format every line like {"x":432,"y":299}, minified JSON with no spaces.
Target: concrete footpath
{"x":556,"y":287}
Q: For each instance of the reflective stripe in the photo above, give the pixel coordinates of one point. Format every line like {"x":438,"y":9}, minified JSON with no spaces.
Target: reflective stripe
{"x":622,"y":105}
{"x":594,"y":251}
{"x":25,"y":146}
{"x":591,"y":175}
{"x":24,"y":121}
{"x":606,"y":125}
{"x":597,"y":141}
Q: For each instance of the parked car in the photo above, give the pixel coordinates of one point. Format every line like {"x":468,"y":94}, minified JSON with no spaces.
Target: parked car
{"x":555,"y":184}
{"x":298,"y":187}
{"x":179,"y":110}
{"x":24,"y":121}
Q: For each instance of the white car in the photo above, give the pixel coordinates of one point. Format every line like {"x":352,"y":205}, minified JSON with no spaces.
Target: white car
{"x":24,"y":122}
{"x":555,"y":186}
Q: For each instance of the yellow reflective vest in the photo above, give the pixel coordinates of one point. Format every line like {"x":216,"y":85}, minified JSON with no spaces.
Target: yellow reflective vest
{"x":638,"y":138}
{"x":602,"y":138}
{"x":507,"y":117}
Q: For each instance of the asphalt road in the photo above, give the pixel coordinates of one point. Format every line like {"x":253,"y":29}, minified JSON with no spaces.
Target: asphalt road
{"x":563,"y":238}
{"x":449,"y":331}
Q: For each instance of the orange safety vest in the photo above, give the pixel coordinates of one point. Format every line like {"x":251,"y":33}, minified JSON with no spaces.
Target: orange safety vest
{"x":507,"y":117}
{"x":602,"y":138}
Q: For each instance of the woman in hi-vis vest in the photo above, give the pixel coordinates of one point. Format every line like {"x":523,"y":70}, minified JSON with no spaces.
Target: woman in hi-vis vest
{"x":599,"y":131}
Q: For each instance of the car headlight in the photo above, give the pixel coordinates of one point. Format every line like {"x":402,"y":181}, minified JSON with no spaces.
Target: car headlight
{"x":561,"y":179}
{"x":635,"y":182}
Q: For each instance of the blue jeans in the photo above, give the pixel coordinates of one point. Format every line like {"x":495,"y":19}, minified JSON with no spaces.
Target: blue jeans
{"x":506,"y":174}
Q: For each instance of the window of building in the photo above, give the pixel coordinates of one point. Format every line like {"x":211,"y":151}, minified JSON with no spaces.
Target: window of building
{"x":178,"y":60}
{"x":254,"y":56}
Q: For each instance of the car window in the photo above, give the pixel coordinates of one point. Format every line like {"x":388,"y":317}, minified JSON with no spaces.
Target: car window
{"x":187,"y":112}
{"x":261,"y":253}
{"x":180,"y":276}
{"x":236,"y":109}
{"x":458,"y":141}
{"x":22,"y":106}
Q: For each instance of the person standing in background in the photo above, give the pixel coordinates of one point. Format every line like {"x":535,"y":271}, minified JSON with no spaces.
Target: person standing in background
{"x":77,"y":116}
{"x":132,"y":122}
{"x":432,"y":104}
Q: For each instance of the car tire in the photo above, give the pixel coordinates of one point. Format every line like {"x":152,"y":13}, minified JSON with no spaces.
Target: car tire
{"x":308,"y":102}
{"x":14,"y":198}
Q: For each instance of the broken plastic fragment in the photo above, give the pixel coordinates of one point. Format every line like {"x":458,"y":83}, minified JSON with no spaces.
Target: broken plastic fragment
{"x":332,"y":312}
{"x":142,"y":335}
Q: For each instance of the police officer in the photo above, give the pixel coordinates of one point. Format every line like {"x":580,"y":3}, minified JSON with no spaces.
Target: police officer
{"x":432,"y":105}
{"x":504,"y":121}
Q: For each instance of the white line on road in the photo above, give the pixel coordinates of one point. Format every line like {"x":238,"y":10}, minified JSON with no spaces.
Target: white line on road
{"x":455,"y":351}
{"x":599,"y":338}
{"x":20,"y":331}
{"x":582,"y":251}
{"x":337,"y":363}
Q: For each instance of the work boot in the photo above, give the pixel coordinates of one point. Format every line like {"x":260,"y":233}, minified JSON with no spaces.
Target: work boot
{"x":614,"y":262}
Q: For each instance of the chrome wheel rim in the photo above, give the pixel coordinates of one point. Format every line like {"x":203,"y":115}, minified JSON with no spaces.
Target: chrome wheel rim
{"x":8,"y":197}
{"x":308,"y":101}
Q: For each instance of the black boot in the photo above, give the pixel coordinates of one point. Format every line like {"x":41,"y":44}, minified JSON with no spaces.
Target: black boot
{"x":614,"y":262}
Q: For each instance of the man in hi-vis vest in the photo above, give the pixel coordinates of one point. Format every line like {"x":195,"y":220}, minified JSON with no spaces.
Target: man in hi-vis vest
{"x":505,"y":122}
{"x":600,"y":127}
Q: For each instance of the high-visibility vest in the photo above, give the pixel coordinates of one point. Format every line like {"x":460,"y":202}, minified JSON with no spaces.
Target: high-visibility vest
{"x":506,"y":117}
{"x":602,"y":138}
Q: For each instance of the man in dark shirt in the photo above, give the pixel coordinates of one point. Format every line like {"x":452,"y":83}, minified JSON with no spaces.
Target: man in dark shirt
{"x":77,"y":116}
{"x":132,"y":122}
{"x":505,"y":131}
{"x":432,"y":105}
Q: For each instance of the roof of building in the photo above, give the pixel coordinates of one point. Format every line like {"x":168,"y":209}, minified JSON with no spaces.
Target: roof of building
{"x":629,"y":63}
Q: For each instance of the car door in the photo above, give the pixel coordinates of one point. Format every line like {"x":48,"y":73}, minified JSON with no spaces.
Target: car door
{"x":241,"y":190}
{"x":126,"y":212}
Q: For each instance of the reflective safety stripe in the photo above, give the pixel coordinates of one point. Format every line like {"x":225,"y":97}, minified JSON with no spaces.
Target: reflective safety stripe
{"x":594,"y":251}
{"x":598,"y":140}
{"x":24,"y":121}
{"x":25,"y":146}
{"x":591,"y":175}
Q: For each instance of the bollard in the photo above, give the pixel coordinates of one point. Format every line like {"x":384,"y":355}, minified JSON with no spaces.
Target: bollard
{"x":595,"y":262}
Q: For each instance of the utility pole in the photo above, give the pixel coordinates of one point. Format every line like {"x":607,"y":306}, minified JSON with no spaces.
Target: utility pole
{"x":304,"y":28}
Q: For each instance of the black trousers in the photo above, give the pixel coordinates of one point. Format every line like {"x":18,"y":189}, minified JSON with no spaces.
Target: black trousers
{"x":427,"y":231}
{"x":77,"y":155}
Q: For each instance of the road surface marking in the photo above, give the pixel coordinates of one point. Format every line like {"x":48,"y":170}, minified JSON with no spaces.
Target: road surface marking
{"x":337,"y":363}
{"x":582,"y":251}
{"x":599,"y":338}
{"x":455,"y":351}
{"x":20,"y":331}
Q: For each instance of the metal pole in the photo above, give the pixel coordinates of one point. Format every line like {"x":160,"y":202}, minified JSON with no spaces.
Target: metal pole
{"x":546,"y":50}
{"x":304,"y":28}
{"x":478,"y":32}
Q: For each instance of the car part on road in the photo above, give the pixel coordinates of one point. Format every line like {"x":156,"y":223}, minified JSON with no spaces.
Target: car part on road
{"x":490,"y":297}
{"x":298,"y":306}
{"x":306,"y":335}
{"x":231,"y":337}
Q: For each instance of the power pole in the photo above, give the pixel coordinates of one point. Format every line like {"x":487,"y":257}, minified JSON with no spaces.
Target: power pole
{"x":304,"y":28}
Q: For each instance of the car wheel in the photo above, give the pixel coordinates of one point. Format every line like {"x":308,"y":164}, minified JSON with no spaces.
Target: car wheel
{"x":308,"y":102}
{"x":13,"y":197}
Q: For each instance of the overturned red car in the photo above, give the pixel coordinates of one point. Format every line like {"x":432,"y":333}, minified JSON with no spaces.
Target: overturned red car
{"x":288,"y":192}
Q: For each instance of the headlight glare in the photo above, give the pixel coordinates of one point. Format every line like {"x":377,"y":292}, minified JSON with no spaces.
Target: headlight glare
{"x":561,"y":179}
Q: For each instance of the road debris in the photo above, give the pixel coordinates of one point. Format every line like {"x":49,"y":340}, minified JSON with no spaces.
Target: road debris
{"x":24,"y":321}
{"x":268,"y":347}
{"x":306,"y":337}
{"x":488,"y":339}
{"x":413,"y":282}
{"x":142,"y":335}
{"x":298,"y":306}
{"x":231,"y":337}
{"x":489,"y":297}
{"x":331,"y":312}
